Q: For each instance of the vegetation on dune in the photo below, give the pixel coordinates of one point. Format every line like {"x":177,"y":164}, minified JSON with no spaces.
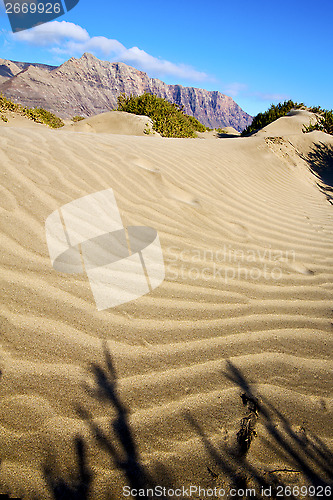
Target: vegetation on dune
{"x":168,"y":118}
{"x":320,"y":161}
{"x":273,"y":113}
{"x":38,"y":115}
{"x":77,"y":118}
{"x":324,"y":120}
{"x":41,"y":115}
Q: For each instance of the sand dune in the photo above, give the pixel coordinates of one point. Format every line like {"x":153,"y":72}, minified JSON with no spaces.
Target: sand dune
{"x":116,"y":122}
{"x":247,"y":241}
{"x":292,"y":123}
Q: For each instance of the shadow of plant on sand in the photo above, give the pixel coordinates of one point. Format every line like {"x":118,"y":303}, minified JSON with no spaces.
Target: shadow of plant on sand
{"x":79,"y":487}
{"x":121,"y":448}
{"x":126,"y":457}
{"x":304,"y":454}
{"x":320,"y":161}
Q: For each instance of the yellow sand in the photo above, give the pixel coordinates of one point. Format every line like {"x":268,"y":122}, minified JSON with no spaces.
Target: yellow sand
{"x":247,"y":242}
{"x":116,"y":122}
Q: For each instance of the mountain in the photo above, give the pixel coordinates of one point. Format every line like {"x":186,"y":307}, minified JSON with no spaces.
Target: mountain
{"x":88,"y":86}
{"x":8,"y":69}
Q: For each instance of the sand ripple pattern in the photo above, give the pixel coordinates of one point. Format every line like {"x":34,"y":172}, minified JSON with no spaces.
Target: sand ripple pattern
{"x":247,"y":240}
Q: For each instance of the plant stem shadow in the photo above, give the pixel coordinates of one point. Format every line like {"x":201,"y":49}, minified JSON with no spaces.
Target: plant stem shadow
{"x":305,"y":455}
{"x":320,"y":161}
{"x":121,"y":449}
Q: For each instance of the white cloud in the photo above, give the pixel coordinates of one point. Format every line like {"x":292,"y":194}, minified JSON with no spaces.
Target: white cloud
{"x":53,"y":33}
{"x":241,"y":89}
{"x":234,"y":88}
{"x":270,"y":97}
{"x":70,"y":39}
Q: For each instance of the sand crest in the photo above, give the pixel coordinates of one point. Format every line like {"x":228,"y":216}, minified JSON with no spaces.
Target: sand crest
{"x":116,"y":122}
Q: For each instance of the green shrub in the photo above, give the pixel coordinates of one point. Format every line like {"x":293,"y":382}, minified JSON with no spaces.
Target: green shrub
{"x":168,"y":118}
{"x":324,"y":121}
{"x":273,"y":113}
{"x":324,"y":117}
{"x":38,"y":115}
{"x":199,"y":127}
{"x":147,"y":130}
{"x":41,"y":115}
{"x":4,"y":118}
{"x":316,"y":109}
{"x":7,"y":104}
{"x":77,"y":118}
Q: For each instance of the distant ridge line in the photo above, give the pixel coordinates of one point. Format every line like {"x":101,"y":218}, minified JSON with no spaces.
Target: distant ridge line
{"x":25,"y":65}
{"x":88,"y":86}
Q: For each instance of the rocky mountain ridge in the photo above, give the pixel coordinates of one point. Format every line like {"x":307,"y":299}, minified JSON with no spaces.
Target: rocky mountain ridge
{"x":88,"y":86}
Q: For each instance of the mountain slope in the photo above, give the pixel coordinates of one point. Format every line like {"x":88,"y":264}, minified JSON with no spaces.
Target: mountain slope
{"x":88,"y":86}
{"x":8,"y":69}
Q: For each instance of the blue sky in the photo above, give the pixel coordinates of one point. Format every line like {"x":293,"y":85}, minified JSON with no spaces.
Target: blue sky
{"x":258,"y":52}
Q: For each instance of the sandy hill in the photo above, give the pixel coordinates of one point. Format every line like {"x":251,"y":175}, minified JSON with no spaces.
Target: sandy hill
{"x":245,"y":308}
{"x":16,"y":120}
{"x":115,"y":122}
{"x":285,"y":126}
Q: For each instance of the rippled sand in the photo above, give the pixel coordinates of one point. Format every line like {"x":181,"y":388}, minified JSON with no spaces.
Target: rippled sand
{"x":246,"y":235}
